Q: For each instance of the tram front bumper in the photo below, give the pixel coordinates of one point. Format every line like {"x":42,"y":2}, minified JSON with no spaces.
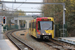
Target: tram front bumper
{"x":46,"y":36}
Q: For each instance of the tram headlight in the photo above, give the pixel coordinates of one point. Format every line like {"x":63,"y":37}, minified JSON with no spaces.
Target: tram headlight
{"x":43,"y":34}
{"x":50,"y":33}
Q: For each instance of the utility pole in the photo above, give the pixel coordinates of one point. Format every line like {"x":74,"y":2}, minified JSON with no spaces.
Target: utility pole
{"x":2,"y":16}
{"x":12,"y":9}
{"x":64,"y":9}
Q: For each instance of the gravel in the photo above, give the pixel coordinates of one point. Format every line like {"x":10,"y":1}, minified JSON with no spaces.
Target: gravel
{"x":36,"y":44}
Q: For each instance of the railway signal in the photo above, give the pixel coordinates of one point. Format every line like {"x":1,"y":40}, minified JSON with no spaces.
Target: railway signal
{"x":3,"y":20}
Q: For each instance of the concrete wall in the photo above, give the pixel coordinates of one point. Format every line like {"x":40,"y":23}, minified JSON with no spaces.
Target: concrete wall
{"x":27,"y":19}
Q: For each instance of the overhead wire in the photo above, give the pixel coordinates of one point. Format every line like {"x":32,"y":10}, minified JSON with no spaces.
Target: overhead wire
{"x":21,"y":4}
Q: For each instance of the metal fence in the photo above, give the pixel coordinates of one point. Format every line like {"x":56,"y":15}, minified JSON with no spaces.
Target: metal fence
{"x":10,"y":27}
{"x":59,"y":30}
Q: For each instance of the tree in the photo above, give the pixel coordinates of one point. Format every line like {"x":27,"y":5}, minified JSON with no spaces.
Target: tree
{"x":21,"y":13}
{"x":57,"y":12}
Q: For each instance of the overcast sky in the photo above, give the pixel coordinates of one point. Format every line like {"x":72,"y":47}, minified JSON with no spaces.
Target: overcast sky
{"x":25,"y":7}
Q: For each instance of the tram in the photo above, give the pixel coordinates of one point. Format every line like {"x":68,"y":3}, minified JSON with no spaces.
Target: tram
{"x":42,"y":27}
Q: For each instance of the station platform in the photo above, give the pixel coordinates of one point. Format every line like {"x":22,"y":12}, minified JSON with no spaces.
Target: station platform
{"x":67,"y":39}
{"x":5,"y":44}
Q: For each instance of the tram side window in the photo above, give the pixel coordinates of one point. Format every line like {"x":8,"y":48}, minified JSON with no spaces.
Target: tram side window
{"x":32,"y":24}
{"x":29,"y":25}
{"x":39,"y":25}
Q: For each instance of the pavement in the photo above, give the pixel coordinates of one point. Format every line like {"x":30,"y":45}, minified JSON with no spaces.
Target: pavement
{"x":5,"y":44}
{"x":1,"y":35}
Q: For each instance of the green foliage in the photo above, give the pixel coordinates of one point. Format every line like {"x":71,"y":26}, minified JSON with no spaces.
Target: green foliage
{"x":70,"y":15}
{"x":56,"y":11}
{"x":21,"y":13}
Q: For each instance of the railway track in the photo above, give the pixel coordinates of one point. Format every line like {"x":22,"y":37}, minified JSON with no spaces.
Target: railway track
{"x":18,"y":43}
{"x":64,"y":45}
{"x":57,"y":45}
{"x":21,"y":45}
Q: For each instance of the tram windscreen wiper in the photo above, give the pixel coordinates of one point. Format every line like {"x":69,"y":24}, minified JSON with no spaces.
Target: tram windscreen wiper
{"x":46,"y":25}
{"x":48,"y":28}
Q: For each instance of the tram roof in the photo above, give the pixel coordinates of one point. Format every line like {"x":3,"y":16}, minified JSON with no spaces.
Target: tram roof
{"x":34,"y":20}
